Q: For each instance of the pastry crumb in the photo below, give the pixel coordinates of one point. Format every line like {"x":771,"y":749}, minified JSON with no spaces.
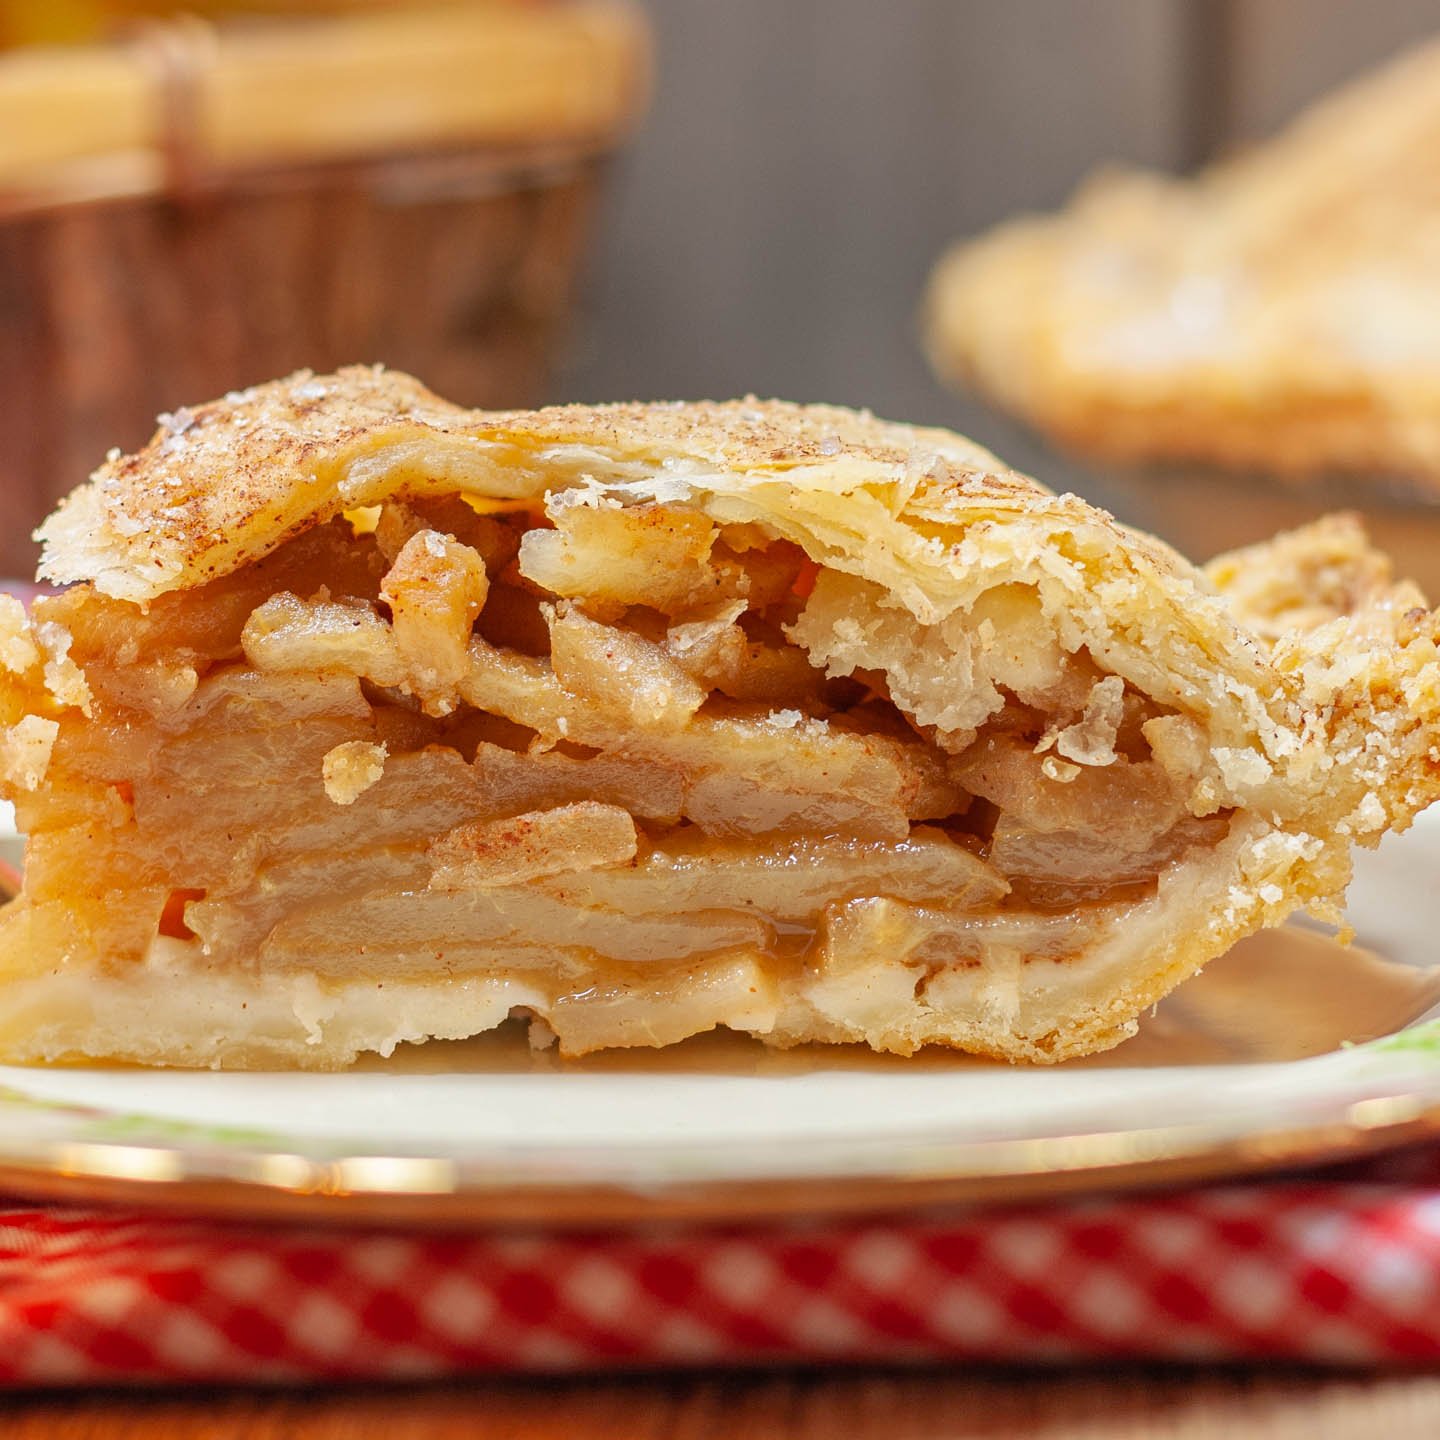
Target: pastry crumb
{"x":540,"y":1034}
{"x":25,"y":750}
{"x":351,"y":769}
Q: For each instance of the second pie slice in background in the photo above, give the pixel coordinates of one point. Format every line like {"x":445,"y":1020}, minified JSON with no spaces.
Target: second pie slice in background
{"x":1278,"y":313}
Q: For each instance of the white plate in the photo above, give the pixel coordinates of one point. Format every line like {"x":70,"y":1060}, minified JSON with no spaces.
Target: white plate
{"x":1290,"y":1049}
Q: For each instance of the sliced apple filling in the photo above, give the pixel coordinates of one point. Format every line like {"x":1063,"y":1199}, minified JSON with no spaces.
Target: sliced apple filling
{"x":375,"y":721}
{"x":612,"y":755}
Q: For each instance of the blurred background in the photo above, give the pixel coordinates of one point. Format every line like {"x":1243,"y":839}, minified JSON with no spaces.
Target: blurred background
{"x":805,"y":163}
{"x":567,"y":199}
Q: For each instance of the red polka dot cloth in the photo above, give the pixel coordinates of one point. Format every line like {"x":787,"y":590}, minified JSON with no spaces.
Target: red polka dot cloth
{"x":1340,"y":1267}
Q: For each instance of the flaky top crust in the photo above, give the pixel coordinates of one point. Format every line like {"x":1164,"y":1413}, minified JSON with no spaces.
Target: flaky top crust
{"x":224,"y":483}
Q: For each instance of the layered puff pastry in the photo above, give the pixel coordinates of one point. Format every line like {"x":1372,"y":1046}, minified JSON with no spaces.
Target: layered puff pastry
{"x":368,"y":719}
{"x":1278,"y":313}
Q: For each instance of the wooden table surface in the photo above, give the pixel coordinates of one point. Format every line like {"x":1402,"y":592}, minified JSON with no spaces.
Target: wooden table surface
{"x":1118,"y":1404}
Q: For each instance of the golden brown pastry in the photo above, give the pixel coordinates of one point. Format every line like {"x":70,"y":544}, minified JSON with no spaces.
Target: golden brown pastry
{"x":371,"y":719}
{"x":1280,"y":312}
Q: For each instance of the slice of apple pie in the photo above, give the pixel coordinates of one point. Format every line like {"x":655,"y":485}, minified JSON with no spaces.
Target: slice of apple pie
{"x":371,"y":719}
{"x":1278,"y":313}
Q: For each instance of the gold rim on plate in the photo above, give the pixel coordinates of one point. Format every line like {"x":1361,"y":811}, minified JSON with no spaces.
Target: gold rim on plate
{"x":441,"y":1192}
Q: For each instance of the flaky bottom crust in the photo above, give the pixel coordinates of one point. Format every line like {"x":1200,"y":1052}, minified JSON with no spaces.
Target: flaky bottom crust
{"x":174,"y":1009}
